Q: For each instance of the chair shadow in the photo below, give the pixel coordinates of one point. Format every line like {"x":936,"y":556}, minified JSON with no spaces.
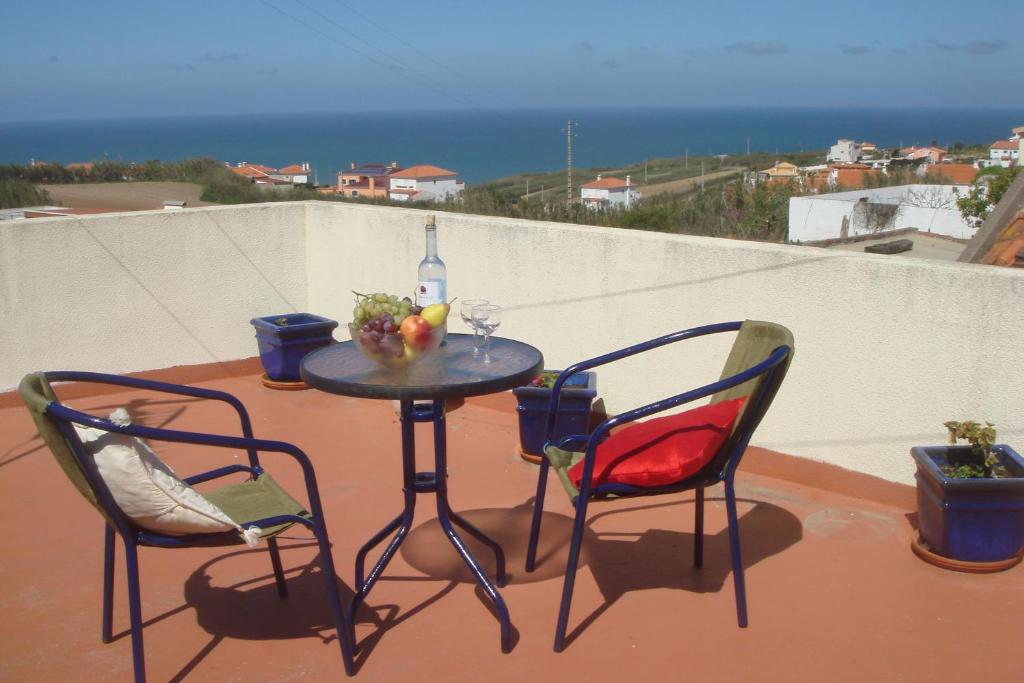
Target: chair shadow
{"x":252,"y":610}
{"x":619,"y":562}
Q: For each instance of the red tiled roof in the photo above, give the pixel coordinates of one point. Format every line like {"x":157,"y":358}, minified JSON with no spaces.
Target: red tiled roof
{"x":1005,"y":144}
{"x":248,"y":171}
{"x":1009,"y":247}
{"x":604,"y":184}
{"x":293,"y":169}
{"x":85,"y":166}
{"x":424,"y":171}
{"x":961,"y":174}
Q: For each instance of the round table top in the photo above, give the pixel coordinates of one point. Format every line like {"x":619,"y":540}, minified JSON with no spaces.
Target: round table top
{"x":452,"y":371}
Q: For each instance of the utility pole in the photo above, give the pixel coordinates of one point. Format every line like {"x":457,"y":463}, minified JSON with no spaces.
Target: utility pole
{"x":748,"y":145}
{"x":568,"y":158}
{"x":701,"y":175}
{"x":686,"y":158}
{"x":645,"y":171}
{"x":527,"y":188}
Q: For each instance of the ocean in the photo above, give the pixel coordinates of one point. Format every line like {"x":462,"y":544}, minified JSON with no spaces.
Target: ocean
{"x":485,"y":145}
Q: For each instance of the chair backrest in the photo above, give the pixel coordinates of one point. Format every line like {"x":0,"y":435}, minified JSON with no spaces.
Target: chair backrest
{"x":755,"y":341}
{"x":35,"y":390}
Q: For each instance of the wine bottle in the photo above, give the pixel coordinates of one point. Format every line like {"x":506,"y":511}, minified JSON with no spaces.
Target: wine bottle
{"x":433,"y":276}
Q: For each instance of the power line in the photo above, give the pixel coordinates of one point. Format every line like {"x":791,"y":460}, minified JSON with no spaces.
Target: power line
{"x":402,"y":65}
{"x":345,"y":45}
{"x":415,"y":49}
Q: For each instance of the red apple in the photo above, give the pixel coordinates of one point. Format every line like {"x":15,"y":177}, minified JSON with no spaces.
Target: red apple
{"x":416,"y":332}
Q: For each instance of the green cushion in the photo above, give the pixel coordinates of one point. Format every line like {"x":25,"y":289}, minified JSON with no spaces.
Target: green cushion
{"x":37,"y":394}
{"x":251,"y":500}
{"x":755,"y":342}
{"x":561,"y":461}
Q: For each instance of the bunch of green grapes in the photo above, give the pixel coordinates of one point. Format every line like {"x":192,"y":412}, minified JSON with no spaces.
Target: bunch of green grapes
{"x":373,"y":307}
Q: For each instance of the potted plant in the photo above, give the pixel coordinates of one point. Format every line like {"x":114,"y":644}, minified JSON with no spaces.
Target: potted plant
{"x":574,"y":408}
{"x":284,"y":340}
{"x":970,"y":499}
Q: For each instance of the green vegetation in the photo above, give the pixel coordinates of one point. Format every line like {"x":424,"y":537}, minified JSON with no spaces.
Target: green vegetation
{"x":989,"y":187}
{"x":981,"y":463}
{"x":219,"y":183}
{"x":15,"y":193}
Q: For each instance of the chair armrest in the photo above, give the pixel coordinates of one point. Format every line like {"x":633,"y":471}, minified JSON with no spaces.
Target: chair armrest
{"x":217,"y":440}
{"x":162,"y":387}
{"x":601,"y":431}
{"x":664,"y":340}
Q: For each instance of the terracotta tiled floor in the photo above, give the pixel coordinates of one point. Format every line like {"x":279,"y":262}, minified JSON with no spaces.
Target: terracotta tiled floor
{"x":834,"y":592}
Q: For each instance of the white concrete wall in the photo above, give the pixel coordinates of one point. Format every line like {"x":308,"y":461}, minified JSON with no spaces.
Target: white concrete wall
{"x":820,"y":217}
{"x":137,"y":291}
{"x":887,"y":349}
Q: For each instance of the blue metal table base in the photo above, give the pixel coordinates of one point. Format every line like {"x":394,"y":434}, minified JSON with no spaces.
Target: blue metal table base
{"x":430,"y":482}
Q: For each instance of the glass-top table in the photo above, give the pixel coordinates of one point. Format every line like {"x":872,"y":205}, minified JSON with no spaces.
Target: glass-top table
{"x":453,"y":371}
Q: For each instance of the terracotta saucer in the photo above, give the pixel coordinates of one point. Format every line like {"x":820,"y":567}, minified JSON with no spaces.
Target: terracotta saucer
{"x":529,"y":457}
{"x":922,"y":550}
{"x":282,"y":386}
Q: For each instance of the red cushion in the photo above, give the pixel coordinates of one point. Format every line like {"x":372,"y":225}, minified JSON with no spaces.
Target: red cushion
{"x":664,"y":450}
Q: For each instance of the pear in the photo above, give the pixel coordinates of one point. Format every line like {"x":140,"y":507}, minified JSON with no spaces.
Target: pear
{"x":435,"y":314}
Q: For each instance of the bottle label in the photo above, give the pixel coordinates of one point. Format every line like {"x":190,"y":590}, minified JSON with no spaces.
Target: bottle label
{"x":430,"y":292}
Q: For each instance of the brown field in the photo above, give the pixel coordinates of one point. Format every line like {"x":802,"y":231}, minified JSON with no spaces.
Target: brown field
{"x":686,"y":184}
{"x":125,"y":196}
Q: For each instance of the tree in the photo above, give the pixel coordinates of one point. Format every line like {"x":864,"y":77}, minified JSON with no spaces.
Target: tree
{"x":989,"y":187}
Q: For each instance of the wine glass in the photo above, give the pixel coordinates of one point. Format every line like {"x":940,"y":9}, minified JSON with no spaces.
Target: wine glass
{"x":466,"y":311}
{"x":486,"y":318}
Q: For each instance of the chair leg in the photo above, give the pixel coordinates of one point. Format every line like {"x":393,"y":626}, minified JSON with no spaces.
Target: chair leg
{"x":275,"y":561}
{"x":135,"y":610}
{"x":346,"y":633}
{"x":698,"y":528}
{"x":570,"y":572}
{"x":734,"y":551}
{"x":538,"y":513}
{"x":106,"y":634}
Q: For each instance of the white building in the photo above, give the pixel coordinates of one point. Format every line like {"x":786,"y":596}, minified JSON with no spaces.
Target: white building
{"x":1004,"y":153}
{"x":844,"y":151}
{"x":838,"y":215}
{"x":604,"y":193}
{"x":424,"y":183}
{"x":296,"y":174}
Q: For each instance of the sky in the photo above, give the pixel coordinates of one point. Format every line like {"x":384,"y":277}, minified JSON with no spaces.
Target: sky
{"x":125,"y":58}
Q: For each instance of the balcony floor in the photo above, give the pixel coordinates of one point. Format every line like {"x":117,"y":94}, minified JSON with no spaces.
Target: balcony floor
{"x":834,"y":592}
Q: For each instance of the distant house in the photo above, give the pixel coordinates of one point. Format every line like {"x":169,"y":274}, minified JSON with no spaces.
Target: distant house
{"x":1018,"y":133}
{"x":782,"y":171}
{"x":604,"y":193}
{"x":1004,"y":153}
{"x":851,"y":176}
{"x":841,"y":215}
{"x":844,"y":151}
{"x":956,"y":174}
{"x":85,"y":167}
{"x":932,"y":154}
{"x":296,"y":174}
{"x":424,"y":183}
{"x":261,"y":176}
{"x":367,"y":180}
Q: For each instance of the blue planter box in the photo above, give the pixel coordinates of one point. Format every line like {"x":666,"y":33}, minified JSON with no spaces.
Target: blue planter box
{"x":284,"y":340}
{"x":573,"y":411}
{"x":974,"y":520}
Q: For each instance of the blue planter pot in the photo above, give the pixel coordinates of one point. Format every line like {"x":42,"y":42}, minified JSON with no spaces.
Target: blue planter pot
{"x":574,"y":410}
{"x":973,"y":520}
{"x":284,"y":340}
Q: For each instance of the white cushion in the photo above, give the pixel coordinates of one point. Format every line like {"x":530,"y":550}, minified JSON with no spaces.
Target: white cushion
{"x":147,"y":490}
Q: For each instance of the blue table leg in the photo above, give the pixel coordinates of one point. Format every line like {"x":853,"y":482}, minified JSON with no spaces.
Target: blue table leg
{"x":431,"y":482}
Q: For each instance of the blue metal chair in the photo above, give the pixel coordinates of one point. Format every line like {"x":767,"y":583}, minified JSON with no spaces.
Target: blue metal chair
{"x":756,"y":366}
{"x":256,"y":501}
